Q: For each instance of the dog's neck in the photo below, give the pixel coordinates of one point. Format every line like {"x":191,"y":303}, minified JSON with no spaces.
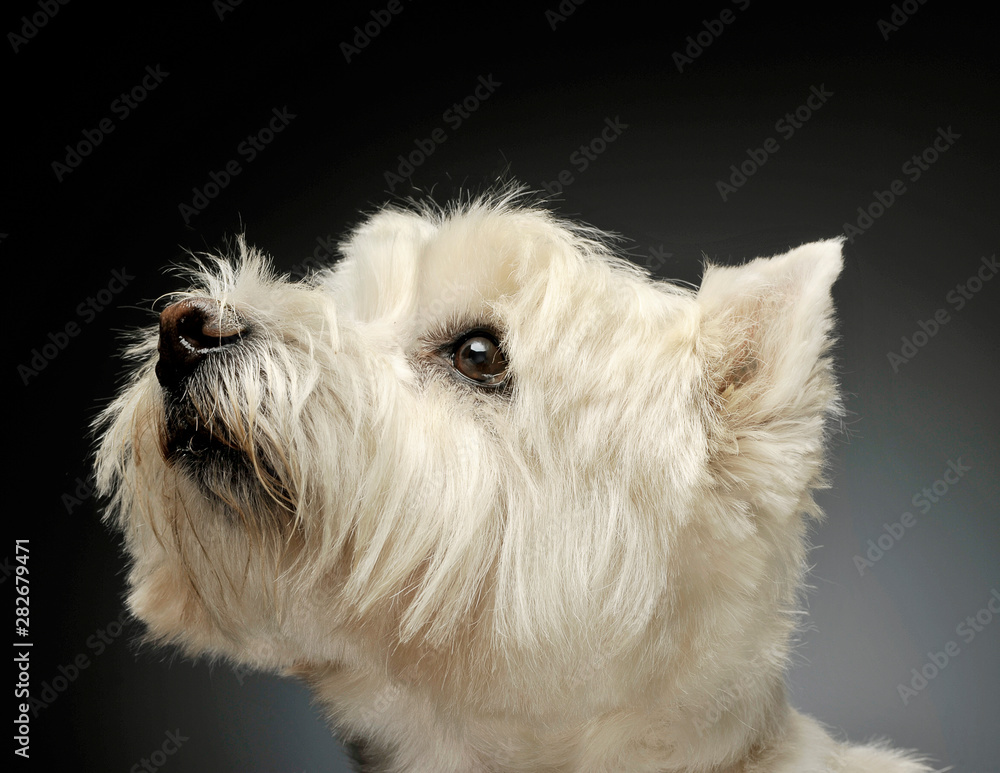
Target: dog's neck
{"x":746,"y":736}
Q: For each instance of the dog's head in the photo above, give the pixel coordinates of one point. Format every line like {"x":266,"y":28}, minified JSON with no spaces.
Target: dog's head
{"x":479,"y":438}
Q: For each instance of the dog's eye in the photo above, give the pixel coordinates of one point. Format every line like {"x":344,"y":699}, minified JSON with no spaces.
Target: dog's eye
{"x":478,"y":357}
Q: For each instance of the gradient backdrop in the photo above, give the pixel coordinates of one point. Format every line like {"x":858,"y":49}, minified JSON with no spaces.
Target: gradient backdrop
{"x":729,"y":129}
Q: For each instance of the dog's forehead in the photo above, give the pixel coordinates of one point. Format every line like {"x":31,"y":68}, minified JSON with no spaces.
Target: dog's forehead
{"x":431,"y":269}
{"x":469,"y":263}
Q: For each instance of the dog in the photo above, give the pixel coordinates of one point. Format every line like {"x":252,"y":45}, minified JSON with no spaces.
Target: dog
{"x":504,"y":502}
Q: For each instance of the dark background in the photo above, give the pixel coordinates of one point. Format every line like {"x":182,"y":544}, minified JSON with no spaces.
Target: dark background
{"x":559,"y":80}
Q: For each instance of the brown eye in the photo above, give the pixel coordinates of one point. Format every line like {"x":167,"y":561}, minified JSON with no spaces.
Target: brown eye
{"x":478,"y":357}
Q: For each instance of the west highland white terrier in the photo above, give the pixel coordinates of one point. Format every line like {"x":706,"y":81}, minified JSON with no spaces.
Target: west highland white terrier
{"x":505,"y":503}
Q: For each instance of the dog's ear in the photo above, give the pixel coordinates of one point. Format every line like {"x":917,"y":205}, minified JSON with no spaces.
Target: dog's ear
{"x":768,"y":322}
{"x":766,"y":333}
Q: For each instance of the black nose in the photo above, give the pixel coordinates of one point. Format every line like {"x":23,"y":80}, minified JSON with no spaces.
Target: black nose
{"x":190,"y":330}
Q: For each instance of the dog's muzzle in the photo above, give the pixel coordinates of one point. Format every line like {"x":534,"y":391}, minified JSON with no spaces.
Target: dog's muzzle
{"x":190,"y":331}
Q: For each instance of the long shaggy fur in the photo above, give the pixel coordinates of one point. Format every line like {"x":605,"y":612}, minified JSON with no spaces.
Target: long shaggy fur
{"x":594,"y":568}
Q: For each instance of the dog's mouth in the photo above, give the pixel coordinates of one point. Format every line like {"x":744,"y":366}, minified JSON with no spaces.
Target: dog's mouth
{"x":194,"y":334}
{"x":188,"y":440}
{"x":207,"y":431}
{"x":194,"y":443}
{"x":236,"y":473}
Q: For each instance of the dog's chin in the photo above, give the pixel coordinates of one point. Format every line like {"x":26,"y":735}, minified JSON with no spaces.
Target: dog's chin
{"x":240,"y":479}
{"x":198,"y":449}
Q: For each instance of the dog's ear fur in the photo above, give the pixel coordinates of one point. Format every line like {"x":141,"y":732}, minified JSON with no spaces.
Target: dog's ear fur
{"x":766,"y":332}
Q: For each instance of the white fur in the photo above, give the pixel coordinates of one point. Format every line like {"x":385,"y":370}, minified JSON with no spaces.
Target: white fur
{"x":595,"y":570}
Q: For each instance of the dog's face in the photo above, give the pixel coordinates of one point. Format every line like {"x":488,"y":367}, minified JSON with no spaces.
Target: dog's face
{"x":478,"y":452}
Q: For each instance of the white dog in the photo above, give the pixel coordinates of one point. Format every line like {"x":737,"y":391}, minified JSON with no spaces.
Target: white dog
{"x":507,"y":504}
